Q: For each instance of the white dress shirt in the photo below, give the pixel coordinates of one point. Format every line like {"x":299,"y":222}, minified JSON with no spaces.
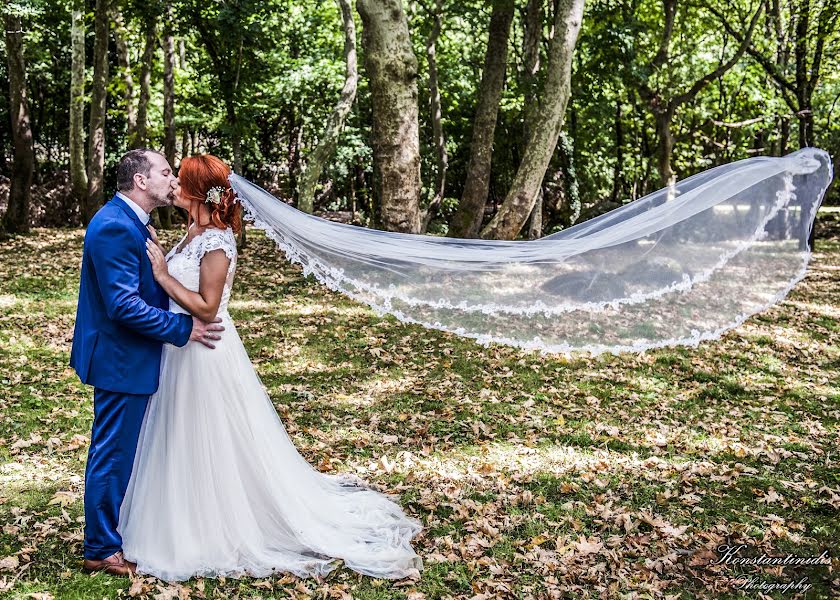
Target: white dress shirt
{"x":141,"y":214}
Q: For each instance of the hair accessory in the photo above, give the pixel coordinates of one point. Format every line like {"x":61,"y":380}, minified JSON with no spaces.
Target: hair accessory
{"x":214,"y":194}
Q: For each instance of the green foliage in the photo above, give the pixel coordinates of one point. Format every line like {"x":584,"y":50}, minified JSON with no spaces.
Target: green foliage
{"x":268,"y":73}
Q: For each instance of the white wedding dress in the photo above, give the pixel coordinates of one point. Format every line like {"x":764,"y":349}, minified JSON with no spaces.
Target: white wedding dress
{"x":218,"y":488}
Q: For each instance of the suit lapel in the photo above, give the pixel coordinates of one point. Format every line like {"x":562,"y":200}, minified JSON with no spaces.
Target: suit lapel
{"x":132,"y":215}
{"x":159,"y":298}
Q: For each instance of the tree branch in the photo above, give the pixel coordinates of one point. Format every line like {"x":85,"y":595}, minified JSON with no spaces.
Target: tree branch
{"x":723,"y":68}
{"x":770,"y":68}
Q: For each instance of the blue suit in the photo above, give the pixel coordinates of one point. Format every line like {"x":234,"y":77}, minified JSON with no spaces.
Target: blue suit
{"x":121,"y":324}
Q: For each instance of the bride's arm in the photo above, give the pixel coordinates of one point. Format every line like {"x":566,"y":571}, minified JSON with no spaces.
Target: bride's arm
{"x":204,"y":303}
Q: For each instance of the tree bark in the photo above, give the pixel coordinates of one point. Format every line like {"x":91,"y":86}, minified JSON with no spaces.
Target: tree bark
{"x":99,"y":94}
{"x":294,"y":131}
{"x":313,"y":168}
{"x":437,"y":125}
{"x":168,"y":86}
{"x":665,"y":145}
{"x":165,"y":213}
{"x":16,"y":218}
{"x":466,"y":221}
{"x":531,"y":38}
{"x":391,"y":68}
{"x":618,"y":175}
{"x":78,"y":174}
{"x":137,"y":138}
{"x":545,"y":124}
{"x":185,"y":142}
{"x":120,"y":34}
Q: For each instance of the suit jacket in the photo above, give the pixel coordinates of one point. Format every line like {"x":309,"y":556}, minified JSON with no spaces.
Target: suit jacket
{"x":121,"y":321}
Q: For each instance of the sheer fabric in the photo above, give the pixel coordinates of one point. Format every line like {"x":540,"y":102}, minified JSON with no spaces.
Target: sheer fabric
{"x":676,"y":267}
{"x":218,"y":488}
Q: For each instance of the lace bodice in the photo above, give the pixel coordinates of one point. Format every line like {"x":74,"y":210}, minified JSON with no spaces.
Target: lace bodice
{"x":184,"y":262}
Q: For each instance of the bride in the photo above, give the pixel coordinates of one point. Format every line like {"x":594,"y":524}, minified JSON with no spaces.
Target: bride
{"x":217,"y":487}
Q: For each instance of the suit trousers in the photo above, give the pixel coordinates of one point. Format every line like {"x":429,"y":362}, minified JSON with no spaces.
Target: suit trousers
{"x":116,"y":427}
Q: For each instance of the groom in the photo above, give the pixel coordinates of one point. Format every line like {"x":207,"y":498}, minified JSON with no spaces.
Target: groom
{"x":121,"y":324}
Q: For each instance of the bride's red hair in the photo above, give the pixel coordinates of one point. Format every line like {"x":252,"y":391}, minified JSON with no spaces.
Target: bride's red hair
{"x":200,"y":173}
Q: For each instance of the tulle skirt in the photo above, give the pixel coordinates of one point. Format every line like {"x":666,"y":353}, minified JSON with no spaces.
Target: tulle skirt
{"x":218,"y":488}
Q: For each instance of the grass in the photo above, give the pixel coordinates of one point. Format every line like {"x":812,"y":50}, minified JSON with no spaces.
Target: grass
{"x":533,"y":476}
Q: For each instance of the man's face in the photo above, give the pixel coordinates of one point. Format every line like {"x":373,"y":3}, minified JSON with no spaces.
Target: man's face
{"x":161,"y":183}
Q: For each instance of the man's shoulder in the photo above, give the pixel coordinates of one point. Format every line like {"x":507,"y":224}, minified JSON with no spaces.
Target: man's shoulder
{"x":109,"y":215}
{"x":107,"y":210}
{"x":110,"y":221}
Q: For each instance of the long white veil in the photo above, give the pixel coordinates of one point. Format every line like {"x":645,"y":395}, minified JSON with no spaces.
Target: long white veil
{"x":676,"y":267}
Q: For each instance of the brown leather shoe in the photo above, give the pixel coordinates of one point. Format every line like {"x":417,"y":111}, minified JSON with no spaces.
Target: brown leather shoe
{"x":112,"y":565}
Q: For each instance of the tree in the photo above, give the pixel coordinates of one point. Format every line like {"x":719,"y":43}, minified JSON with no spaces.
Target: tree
{"x":391,"y":67}
{"x":664,"y":104}
{"x":544,"y":124}
{"x":165,"y":213}
{"x":16,"y":218}
{"x":808,"y":47}
{"x":467,"y":219}
{"x":437,"y":118}
{"x":124,"y":61}
{"x":531,"y":38}
{"x":99,"y":94}
{"x":78,"y":174}
{"x":224,"y":32}
{"x":138,"y":136}
{"x":314,"y":166}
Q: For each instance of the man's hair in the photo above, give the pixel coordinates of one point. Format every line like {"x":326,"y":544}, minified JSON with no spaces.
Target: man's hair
{"x":133,"y":161}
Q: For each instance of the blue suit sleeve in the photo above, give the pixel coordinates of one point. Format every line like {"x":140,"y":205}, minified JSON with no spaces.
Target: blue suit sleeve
{"x":117,"y":266}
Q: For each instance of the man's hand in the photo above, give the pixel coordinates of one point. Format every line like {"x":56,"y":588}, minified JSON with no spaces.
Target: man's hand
{"x":203,"y":332}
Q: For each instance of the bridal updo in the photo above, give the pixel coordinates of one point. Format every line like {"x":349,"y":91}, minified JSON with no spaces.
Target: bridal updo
{"x":204,"y":179}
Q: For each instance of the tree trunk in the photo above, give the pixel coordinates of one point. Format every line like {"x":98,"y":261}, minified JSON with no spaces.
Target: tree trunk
{"x":391,"y":68}
{"x":165,"y":213}
{"x":326,"y":147}
{"x":185,"y":142}
{"x":532,"y":36}
{"x":665,"y":147}
{"x":535,"y":220}
{"x":99,"y":94}
{"x":437,"y":125}
{"x":467,"y":219}
{"x":78,"y":174}
{"x":618,"y":175}
{"x":294,"y":131}
{"x":16,"y":218}
{"x":545,"y":125}
{"x":237,"y":149}
{"x":120,"y":35}
{"x":3,"y":162}
{"x":138,"y":137}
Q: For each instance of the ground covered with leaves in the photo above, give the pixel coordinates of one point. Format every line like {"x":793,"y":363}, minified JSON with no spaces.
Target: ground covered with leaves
{"x":534,"y":476}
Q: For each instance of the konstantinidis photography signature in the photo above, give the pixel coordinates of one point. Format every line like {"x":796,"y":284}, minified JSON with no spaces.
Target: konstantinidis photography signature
{"x":730,"y":555}
{"x":735,"y":555}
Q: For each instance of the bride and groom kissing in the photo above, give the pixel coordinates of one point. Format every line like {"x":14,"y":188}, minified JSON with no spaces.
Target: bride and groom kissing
{"x":190,"y":471}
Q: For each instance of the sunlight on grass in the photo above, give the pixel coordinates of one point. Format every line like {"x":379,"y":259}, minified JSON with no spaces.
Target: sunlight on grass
{"x":296,"y":307}
{"x":8,"y":300}
{"x":823,"y":309}
{"x":376,"y":390}
{"x":30,"y":472}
